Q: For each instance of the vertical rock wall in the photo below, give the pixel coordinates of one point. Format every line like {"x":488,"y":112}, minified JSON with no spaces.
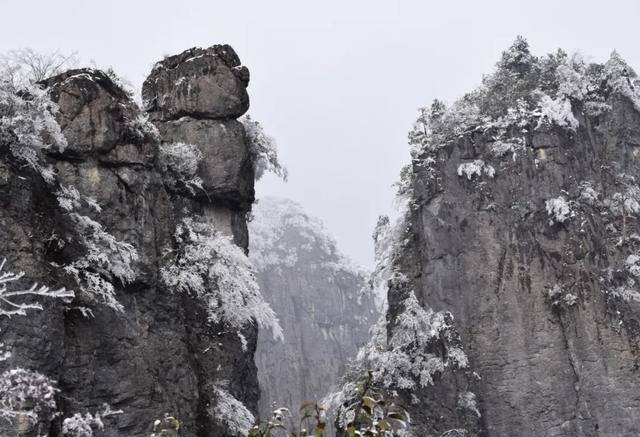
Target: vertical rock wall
{"x":524,"y":240}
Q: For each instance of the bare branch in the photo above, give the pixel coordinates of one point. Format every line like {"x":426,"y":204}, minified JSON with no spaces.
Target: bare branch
{"x":25,"y":66}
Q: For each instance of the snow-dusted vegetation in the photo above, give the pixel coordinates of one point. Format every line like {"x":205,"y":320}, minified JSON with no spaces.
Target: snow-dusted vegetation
{"x":105,"y":259}
{"x":24,"y":393}
{"x":558,"y":209}
{"x":263,"y":149}
{"x":28,"y":126}
{"x":231,"y":412}
{"x":206,"y":263}
{"x":524,"y":94}
{"x":402,"y":357}
{"x":179,"y":162}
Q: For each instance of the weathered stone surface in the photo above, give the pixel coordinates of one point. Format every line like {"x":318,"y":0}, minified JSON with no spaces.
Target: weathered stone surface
{"x":323,"y":303}
{"x":487,"y":250}
{"x":226,"y":170}
{"x":160,"y":354}
{"x":95,"y":113}
{"x":204,"y":83}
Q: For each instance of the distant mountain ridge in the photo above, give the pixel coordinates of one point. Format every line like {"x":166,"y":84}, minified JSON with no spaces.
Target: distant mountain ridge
{"x":321,"y":297}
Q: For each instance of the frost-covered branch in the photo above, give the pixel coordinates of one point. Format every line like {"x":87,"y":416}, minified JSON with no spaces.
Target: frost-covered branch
{"x":10,"y":304}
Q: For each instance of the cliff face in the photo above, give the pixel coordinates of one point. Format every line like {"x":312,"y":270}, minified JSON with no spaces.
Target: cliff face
{"x":523,"y":223}
{"x":323,"y":302}
{"x":163,"y":352}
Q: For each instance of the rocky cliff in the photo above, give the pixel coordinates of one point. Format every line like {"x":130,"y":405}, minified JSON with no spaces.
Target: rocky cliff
{"x":139,"y":204}
{"x":522,"y":223}
{"x":322,"y":299}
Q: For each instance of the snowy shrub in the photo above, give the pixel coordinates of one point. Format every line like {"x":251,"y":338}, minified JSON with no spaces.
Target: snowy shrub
{"x":500,"y":147}
{"x":263,"y":149}
{"x":216,"y":271}
{"x":141,"y":129}
{"x":588,"y":194}
{"x":26,"y":392}
{"x":570,"y":299}
{"x":179,"y":163}
{"x":231,"y":413}
{"x":475,"y":168}
{"x":555,"y":291}
{"x":557,"y":296}
{"x":80,"y":425}
{"x":105,"y":259}
{"x":558,"y":210}
{"x":632,"y":263}
{"x":556,"y":111}
{"x":572,"y":78}
{"x":467,"y":400}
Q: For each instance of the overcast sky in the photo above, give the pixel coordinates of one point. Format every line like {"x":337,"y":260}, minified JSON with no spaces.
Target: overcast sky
{"x":336,"y":82}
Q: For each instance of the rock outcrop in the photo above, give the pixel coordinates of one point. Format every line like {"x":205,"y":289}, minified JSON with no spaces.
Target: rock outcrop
{"x":322,"y":299}
{"x":523,"y":223}
{"x":160,"y":354}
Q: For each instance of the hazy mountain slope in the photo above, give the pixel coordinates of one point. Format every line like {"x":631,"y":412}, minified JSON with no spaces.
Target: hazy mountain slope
{"x":322,"y":300}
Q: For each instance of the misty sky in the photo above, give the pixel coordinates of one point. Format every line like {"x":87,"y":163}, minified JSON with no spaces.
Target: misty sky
{"x":337,"y":83}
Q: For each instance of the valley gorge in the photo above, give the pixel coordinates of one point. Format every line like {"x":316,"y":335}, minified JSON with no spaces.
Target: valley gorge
{"x":504,"y":300}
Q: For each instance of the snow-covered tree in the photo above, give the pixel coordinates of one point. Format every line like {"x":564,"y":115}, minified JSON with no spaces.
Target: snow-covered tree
{"x":210,"y":266}
{"x":28,"y":126}
{"x":230,"y":412}
{"x":179,"y":163}
{"x":25,"y":66}
{"x":401,"y":357}
{"x":263,"y":149}
{"x":27,"y":123}
{"x":105,"y":259}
